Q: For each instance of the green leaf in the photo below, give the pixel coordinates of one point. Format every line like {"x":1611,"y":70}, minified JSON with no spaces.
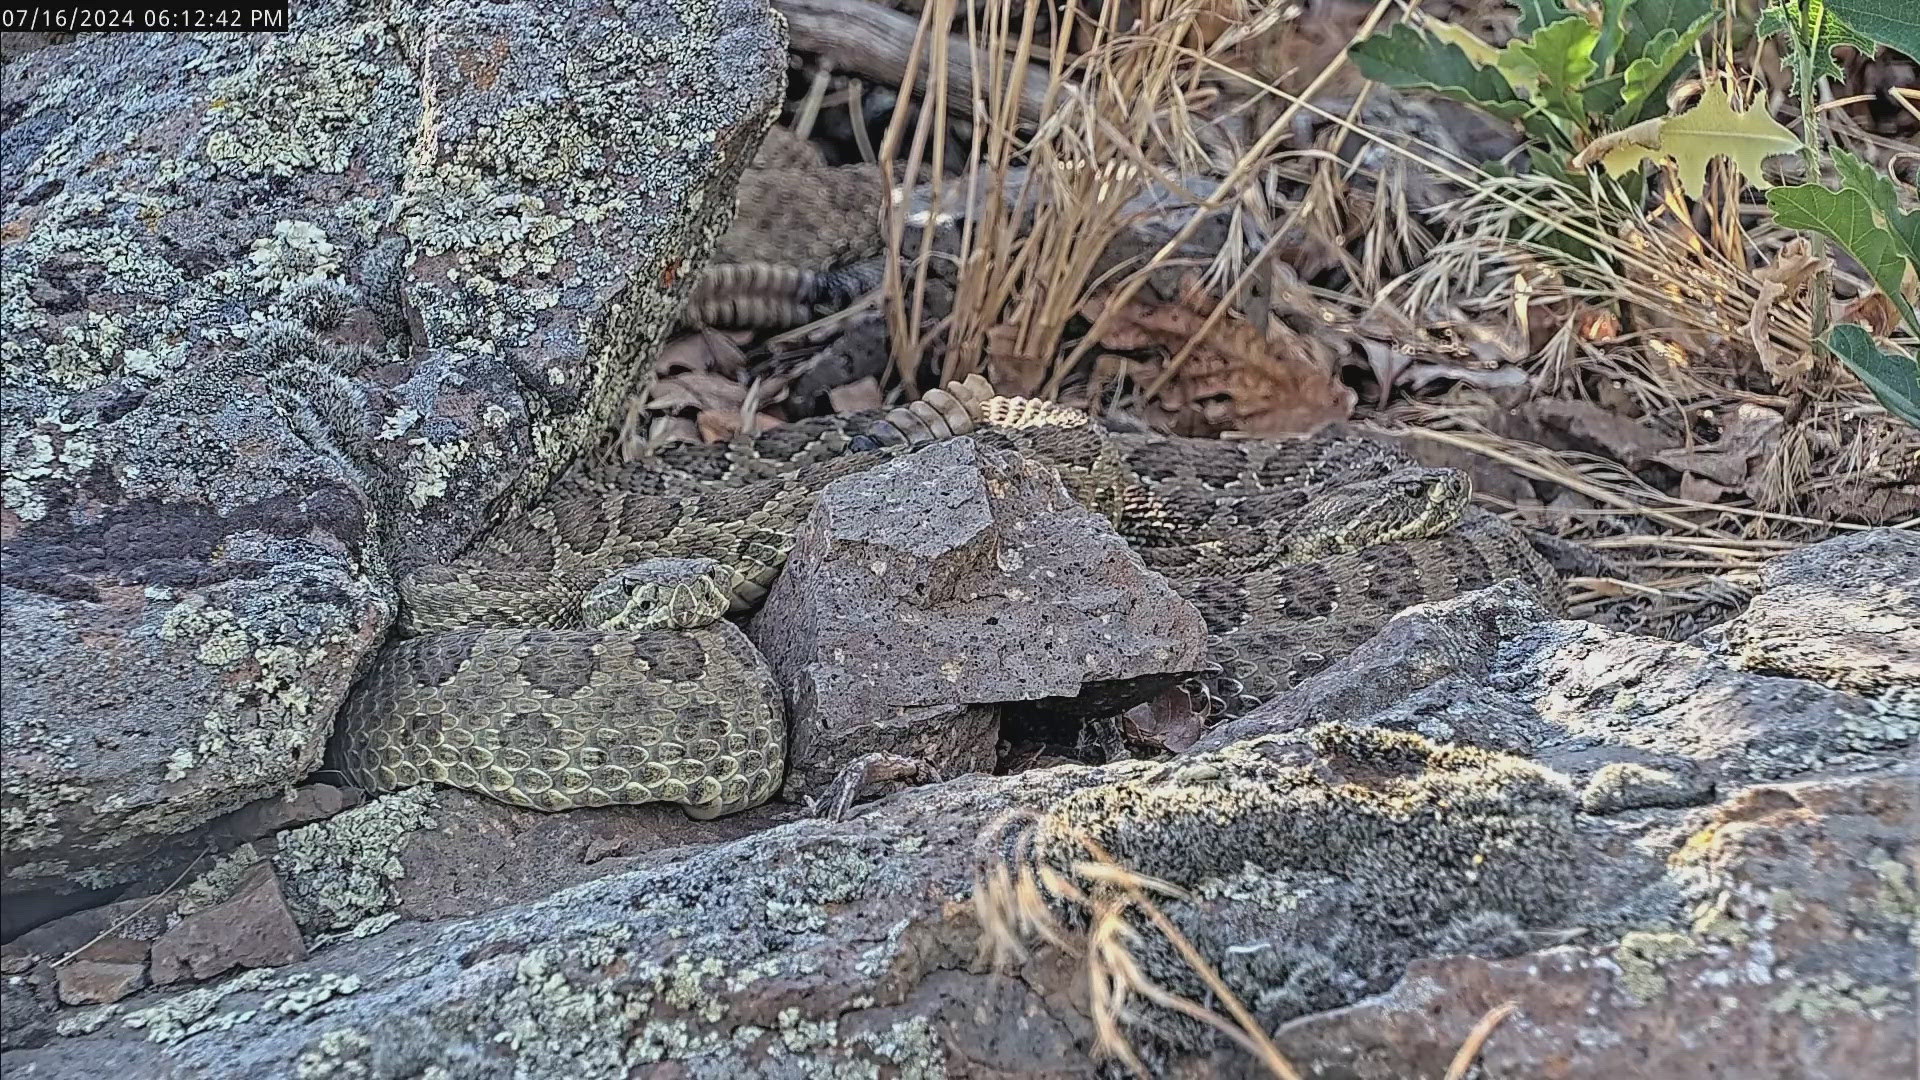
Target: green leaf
{"x":1878,"y":189}
{"x":1813,"y":31}
{"x":1893,"y":377}
{"x":1535,"y":14}
{"x":1648,"y":73}
{"x":1646,"y":18}
{"x":1612,"y":17}
{"x":1889,"y":22}
{"x":1560,"y":57}
{"x":1846,"y":217}
{"x":1405,"y":57}
{"x":1694,"y":138}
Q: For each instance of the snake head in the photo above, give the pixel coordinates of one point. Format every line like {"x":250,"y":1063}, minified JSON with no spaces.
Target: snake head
{"x":1407,"y":504}
{"x":660,"y":594}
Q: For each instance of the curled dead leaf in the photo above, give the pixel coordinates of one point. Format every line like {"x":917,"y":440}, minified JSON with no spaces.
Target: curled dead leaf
{"x":1596,"y":324}
{"x":1750,"y":432}
{"x":1781,"y":281}
{"x":1234,"y":376}
{"x":855,"y":396}
{"x":1874,"y":311}
{"x":1644,"y":135}
{"x":1167,"y":721}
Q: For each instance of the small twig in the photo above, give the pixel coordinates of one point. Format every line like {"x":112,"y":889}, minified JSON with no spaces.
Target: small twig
{"x":136,"y":912}
{"x":1477,"y":1038}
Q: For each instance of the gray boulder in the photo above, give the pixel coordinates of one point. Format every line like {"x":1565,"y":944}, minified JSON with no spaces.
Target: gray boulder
{"x":286,"y":314}
{"x":956,"y":578}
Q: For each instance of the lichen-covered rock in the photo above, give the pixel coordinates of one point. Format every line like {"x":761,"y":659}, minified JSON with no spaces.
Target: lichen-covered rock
{"x":955,"y":578}
{"x":285,"y":314}
{"x":1845,"y":613}
{"x":1382,"y":891}
{"x":1790,"y":956}
{"x":254,"y":929}
{"x":823,"y":949}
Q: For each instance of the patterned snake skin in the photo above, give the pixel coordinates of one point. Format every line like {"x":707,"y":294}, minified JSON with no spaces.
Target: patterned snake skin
{"x":579,"y":657}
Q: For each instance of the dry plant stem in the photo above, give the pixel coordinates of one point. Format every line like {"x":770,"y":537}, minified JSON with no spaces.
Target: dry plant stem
{"x":1250,"y":1033}
{"x":1601,"y":494}
{"x":1477,"y":1038}
{"x":1460,"y":172}
{"x":1228,"y":189}
{"x":988,"y":224}
{"x":933,"y":122}
{"x":882,"y":44}
{"x":905,"y":335}
{"x":809,"y":112}
{"x":1820,"y":291}
{"x":856,"y":117}
{"x":136,"y":912}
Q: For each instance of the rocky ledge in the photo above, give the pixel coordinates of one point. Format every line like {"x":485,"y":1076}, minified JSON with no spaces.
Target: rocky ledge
{"x":1677,"y":858}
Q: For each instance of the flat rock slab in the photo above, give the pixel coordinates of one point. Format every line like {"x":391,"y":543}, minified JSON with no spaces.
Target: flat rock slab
{"x":287,"y":314}
{"x":956,"y":578}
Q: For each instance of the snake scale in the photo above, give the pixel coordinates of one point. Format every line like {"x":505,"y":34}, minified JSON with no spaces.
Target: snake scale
{"x":579,"y":656}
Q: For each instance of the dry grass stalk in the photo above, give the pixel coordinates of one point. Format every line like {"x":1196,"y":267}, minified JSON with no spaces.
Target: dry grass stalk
{"x":1015,"y":898}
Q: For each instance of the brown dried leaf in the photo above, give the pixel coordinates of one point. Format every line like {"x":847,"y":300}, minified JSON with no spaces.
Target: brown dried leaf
{"x":703,"y":391}
{"x":719,"y":426}
{"x":1596,"y":324}
{"x":1747,"y":434}
{"x":706,"y":350}
{"x":855,"y":396}
{"x":1700,"y":489}
{"x":1874,"y":311}
{"x":1627,"y":440}
{"x":1010,"y":370}
{"x":1782,"y":280}
{"x":1236,"y":377}
{"x":1167,"y":721}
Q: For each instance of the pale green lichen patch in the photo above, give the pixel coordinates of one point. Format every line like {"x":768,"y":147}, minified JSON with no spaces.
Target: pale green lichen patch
{"x":1840,"y":995}
{"x":217,"y":885}
{"x":269,"y":717}
{"x":198,"y":1011}
{"x":340,"y":871}
{"x":1642,"y":954}
{"x":305,"y":102}
{"x":1896,"y":898}
{"x":297,"y":253}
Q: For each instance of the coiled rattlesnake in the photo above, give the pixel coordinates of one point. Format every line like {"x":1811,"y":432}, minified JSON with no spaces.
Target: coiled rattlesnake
{"x":578,"y":657}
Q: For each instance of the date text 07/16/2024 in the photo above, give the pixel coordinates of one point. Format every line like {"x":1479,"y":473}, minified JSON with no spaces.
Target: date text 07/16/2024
{"x":108,"y":16}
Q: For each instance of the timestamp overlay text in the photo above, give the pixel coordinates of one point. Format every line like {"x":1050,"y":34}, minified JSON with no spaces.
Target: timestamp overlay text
{"x":251,"y":16}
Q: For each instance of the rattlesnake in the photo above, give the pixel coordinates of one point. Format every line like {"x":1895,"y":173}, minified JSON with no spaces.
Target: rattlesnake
{"x":578,"y":657}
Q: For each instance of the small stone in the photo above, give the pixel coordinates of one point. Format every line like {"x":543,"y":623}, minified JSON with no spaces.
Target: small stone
{"x":254,"y":929}
{"x":98,"y":982}
{"x":302,"y":806}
